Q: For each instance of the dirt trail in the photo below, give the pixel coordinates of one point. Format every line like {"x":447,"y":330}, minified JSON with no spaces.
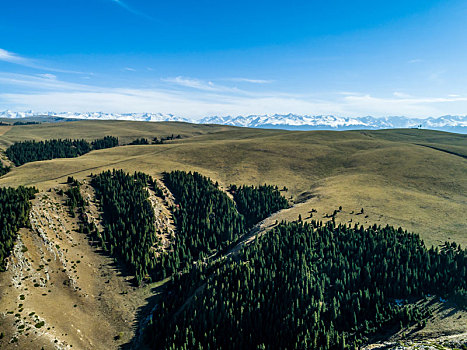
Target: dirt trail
{"x":263,"y":226}
{"x":259,"y":229}
{"x":4,"y":129}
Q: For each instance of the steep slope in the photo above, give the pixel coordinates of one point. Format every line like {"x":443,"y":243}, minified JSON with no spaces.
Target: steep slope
{"x":59,"y":286}
{"x":309,"y":286}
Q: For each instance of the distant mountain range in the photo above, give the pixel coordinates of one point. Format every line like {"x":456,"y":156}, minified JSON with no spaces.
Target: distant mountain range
{"x":150,"y":117}
{"x":276,"y":121}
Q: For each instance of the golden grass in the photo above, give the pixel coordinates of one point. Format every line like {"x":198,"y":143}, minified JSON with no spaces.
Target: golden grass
{"x":4,"y":129}
{"x":127,"y":131}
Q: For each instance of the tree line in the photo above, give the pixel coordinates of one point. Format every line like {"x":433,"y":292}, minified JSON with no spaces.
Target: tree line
{"x":26,"y":123}
{"x":156,"y":141}
{"x":14,"y":214}
{"x":20,"y":123}
{"x":257,"y":203}
{"x":29,"y":151}
{"x":141,"y":141}
{"x":307,"y":286}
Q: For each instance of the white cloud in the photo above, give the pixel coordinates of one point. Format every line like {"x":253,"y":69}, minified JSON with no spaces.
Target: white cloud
{"x":129,"y":69}
{"x":348,"y":93}
{"x":11,"y":57}
{"x":130,"y":9}
{"x":207,"y":86}
{"x":436,"y":76}
{"x":47,"y":76}
{"x":409,"y":106}
{"x":252,"y":81}
{"x":194,"y":83}
{"x":410,"y":100}
{"x":415,"y":60}
{"x":196,"y":98}
{"x":125,"y":101}
{"x":41,"y":82}
{"x":401,"y":94}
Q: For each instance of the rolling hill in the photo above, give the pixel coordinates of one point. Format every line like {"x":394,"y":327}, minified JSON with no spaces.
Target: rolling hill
{"x":415,"y":179}
{"x":410,"y":178}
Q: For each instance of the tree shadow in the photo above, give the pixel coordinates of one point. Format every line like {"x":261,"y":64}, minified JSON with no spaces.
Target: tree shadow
{"x":142,"y":317}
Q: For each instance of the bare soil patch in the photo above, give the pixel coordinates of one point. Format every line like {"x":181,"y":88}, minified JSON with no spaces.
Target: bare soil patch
{"x":60,"y":291}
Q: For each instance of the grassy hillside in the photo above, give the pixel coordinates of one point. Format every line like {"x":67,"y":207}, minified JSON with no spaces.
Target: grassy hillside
{"x":126,"y":131}
{"x":392,"y":174}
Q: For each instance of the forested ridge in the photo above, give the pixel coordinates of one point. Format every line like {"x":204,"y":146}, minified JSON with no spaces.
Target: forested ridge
{"x":128,"y":219}
{"x":307,"y":286}
{"x":14,"y":213}
{"x":30,"y":151}
{"x":206,"y":219}
{"x":257,"y":203}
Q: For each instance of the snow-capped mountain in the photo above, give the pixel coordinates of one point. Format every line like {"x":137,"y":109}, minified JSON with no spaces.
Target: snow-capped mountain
{"x":329,"y":122}
{"x":11,"y":114}
{"x":275,"y":121}
{"x":288,"y":121}
{"x":150,"y":117}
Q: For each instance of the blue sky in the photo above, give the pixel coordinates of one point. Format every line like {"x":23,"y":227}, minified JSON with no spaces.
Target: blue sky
{"x":199,"y":58}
